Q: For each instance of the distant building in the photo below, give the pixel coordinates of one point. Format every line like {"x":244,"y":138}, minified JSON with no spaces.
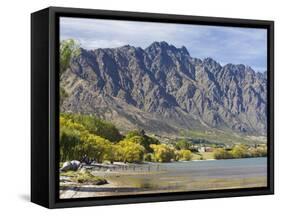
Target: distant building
{"x":205,"y":149}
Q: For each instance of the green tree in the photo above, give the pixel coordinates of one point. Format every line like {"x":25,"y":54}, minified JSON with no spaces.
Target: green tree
{"x":69,"y":141}
{"x":182,"y":144}
{"x":96,"y":126}
{"x":133,"y":133}
{"x":76,"y":141}
{"x":141,"y":138}
{"x":68,"y":50}
{"x":110,"y":153}
{"x":95,"y":147}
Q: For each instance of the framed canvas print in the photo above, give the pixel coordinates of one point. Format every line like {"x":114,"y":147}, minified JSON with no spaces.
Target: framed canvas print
{"x":138,"y":107}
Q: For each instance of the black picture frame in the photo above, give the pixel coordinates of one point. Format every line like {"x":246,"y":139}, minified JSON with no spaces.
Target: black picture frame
{"x":45,"y":106}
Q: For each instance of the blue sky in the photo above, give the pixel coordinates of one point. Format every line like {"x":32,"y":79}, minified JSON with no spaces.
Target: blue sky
{"x":224,"y":44}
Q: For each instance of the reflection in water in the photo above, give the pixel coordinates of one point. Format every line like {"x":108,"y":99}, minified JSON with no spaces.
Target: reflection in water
{"x":146,"y":184}
{"x":198,"y":175}
{"x":177,"y":176}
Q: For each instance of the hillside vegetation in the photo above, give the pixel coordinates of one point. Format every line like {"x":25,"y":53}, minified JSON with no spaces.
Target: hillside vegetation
{"x":86,"y":135}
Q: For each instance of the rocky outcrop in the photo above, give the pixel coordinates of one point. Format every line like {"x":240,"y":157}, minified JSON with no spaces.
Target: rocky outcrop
{"x":163,"y":90}
{"x":70,"y":165}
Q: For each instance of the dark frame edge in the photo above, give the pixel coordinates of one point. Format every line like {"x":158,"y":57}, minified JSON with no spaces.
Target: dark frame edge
{"x":54,"y":92}
{"x":39,"y":108}
{"x":160,"y":198}
{"x":172,"y":17}
{"x":270,"y":72}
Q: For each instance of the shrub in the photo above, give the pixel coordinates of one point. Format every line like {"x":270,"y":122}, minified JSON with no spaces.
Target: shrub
{"x":184,"y":155}
{"x":76,"y":141}
{"x":87,"y":177}
{"x":95,"y":147}
{"x":68,"y":50}
{"x":148,"y":157}
{"x":134,"y":133}
{"x":257,"y":152}
{"x":84,"y":177}
{"x":128,"y":151}
{"x":163,"y":153}
{"x":221,"y":153}
{"x":262,"y":151}
{"x":182,"y":144}
{"x":240,"y":151}
{"x":69,"y":141}
{"x":95,"y":126}
{"x":141,"y":138}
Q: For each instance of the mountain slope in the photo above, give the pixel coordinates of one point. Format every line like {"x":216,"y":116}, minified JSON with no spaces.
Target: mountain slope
{"x":162,"y":89}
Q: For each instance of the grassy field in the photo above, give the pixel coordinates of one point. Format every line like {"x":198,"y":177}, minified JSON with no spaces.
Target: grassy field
{"x":202,"y":156}
{"x":83,"y":177}
{"x":221,"y":137}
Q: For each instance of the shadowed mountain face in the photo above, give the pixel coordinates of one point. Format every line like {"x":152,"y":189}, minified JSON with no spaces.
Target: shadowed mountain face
{"x":162,"y":89}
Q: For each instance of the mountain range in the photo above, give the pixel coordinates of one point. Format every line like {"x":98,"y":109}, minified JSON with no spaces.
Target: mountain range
{"x":163,"y":90}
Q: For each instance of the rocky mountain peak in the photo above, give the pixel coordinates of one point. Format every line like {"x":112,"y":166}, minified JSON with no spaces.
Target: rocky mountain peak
{"x":162,"y":89}
{"x":162,"y":47}
{"x":159,"y":44}
{"x":184,"y":50}
{"x":210,"y":61}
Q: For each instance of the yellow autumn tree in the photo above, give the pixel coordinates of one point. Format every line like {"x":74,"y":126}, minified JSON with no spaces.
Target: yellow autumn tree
{"x":184,"y":155}
{"x":240,"y":151}
{"x":163,"y":153}
{"x":128,"y":151}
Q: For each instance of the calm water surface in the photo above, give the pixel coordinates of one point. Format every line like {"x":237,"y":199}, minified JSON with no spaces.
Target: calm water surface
{"x":197,"y":175}
{"x":177,"y":176}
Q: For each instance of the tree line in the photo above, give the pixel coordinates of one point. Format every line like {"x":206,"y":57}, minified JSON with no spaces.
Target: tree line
{"x":101,"y":141}
{"x":240,"y":151}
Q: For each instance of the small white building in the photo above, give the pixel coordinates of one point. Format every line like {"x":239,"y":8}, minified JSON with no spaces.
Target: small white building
{"x":205,"y":149}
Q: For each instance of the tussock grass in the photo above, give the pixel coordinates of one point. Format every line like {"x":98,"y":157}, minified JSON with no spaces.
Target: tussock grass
{"x":84,"y":177}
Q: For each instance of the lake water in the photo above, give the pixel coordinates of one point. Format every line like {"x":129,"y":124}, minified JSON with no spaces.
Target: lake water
{"x":177,"y":176}
{"x":195,"y":175}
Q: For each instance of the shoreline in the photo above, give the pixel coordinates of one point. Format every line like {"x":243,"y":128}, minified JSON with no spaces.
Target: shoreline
{"x":120,"y":164}
{"x":173,"y":179}
{"x":211,"y":159}
{"x":115,"y":188}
